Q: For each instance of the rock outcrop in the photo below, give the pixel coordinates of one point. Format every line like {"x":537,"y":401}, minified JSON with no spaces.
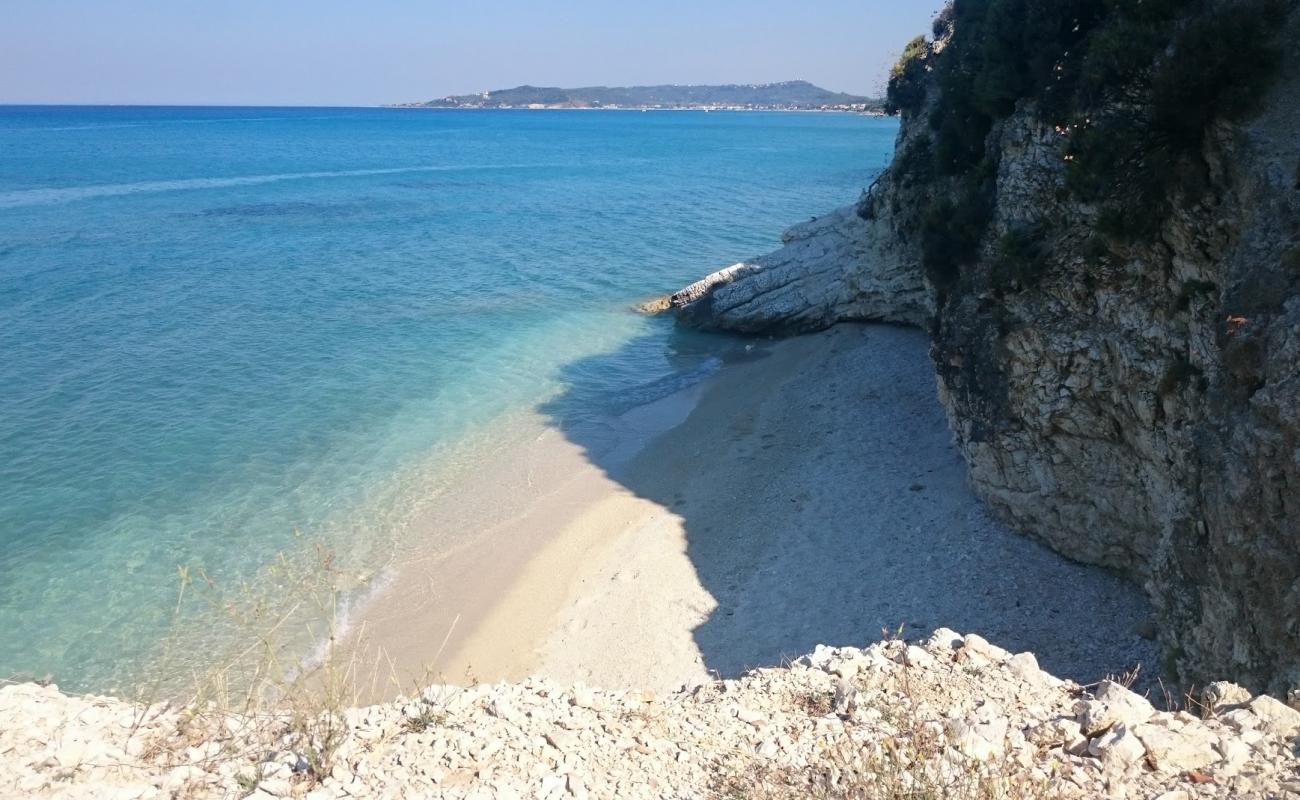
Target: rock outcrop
{"x":835,"y":268}
{"x":953,"y":716}
{"x":1134,"y":405}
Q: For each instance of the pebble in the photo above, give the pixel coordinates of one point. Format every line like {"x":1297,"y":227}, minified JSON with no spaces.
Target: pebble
{"x":951,"y":708}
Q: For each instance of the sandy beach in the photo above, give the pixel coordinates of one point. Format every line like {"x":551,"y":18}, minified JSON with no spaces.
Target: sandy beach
{"x":806,"y":493}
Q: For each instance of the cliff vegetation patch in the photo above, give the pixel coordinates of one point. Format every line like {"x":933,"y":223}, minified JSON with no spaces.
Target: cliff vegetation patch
{"x":1132,"y":85}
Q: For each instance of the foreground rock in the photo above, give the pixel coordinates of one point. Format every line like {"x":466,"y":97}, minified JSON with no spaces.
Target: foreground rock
{"x":954,"y":716}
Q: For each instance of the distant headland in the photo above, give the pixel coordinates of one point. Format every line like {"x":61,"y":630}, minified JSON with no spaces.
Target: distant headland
{"x":784,"y":96}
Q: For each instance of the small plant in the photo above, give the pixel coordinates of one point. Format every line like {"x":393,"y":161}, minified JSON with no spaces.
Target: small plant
{"x":916,"y":162}
{"x":914,"y":764}
{"x":261,"y":699}
{"x":907,"y":79}
{"x":1180,"y":373}
{"x":1134,"y":85}
{"x":1021,"y":258}
{"x":426,"y":715}
{"x":951,"y":233}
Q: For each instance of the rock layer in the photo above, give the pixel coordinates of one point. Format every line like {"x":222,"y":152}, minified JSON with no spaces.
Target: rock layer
{"x":952,"y":716}
{"x":835,"y":268}
{"x":1135,"y":406}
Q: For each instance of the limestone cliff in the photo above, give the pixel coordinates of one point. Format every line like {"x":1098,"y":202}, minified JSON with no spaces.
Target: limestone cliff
{"x":1133,"y":401}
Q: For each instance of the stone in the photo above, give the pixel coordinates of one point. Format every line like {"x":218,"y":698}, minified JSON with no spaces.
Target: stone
{"x":1221,"y":694}
{"x":181,"y":777}
{"x":1117,"y":748}
{"x":942,"y":716}
{"x":276,"y":787}
{"x":1025,"y":667}
{"x":844,"y":699}
{"x":749,"y":716}
{"x":829,"y":270}
{"x":974,"y":643}
{"x":915,"y":656}
{"x":562,"y":740}
{"x":1188,"y":749}
{"x":1056,"y":732}
{"x":943,"y":641}
{"x":583,"y":697}
{"x":1235,"y":754}
{"x":502,"y":709}
{"x":1241,"y":719}
{"x":1110,"y":705}
{"x":1275,"y":716}
{"x":70,"y":753}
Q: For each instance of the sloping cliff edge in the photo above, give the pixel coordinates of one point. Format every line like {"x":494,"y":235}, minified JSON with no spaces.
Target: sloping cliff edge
{"x":953,"y":716}
{"x":1133,"y":403}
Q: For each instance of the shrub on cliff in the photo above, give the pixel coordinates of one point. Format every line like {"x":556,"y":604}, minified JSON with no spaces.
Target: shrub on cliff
{"x":1157,"y":87}
{"x":907,"y":79}
{"x":1221,"y":65}
{"x":1137,"y":83}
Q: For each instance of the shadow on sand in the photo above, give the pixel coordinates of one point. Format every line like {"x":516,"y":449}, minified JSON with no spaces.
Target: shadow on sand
{"x":822,"y":500}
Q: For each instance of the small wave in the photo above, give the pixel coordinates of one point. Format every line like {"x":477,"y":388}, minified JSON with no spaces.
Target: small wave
{"x":47,"y":196}
{"x":349,"y":606}
{"x":627,"y":399}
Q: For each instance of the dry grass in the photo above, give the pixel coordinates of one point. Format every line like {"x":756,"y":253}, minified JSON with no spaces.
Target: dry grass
{"x":912,"y":766}
{"x":914,"y":763}
{"x":258,"y":700}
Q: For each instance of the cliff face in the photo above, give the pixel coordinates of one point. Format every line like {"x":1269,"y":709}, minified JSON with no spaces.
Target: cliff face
{"x":1132,"y":404}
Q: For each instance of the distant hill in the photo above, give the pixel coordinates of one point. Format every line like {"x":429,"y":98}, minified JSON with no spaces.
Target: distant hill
{"x":800,"y":95}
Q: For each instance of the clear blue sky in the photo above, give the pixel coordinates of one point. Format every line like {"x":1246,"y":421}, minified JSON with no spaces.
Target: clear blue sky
{"x":330,"y":52}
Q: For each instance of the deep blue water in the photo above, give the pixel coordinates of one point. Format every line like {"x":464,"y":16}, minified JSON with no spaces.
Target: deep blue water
{"x":219,"y":326}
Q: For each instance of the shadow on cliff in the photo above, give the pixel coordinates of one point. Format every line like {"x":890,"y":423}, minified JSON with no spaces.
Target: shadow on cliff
{"x":837,"y":506}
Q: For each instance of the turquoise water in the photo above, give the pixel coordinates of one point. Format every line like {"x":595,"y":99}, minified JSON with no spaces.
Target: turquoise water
{"x":219,"y":326}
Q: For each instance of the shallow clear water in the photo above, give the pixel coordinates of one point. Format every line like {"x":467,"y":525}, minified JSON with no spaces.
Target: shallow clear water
{"x":220,"y":326}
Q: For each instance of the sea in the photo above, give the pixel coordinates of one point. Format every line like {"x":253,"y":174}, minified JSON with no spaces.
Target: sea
{"x":228,"y":334}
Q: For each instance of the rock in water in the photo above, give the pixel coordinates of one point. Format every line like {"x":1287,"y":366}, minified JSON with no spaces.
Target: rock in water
{"x":836,"y":268}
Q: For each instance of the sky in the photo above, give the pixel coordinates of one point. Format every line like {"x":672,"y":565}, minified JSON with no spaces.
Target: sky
{"x":331,"y":52}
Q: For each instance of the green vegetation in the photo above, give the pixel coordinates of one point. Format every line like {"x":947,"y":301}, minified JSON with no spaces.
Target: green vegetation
{"x":1178,"y":374}
{"x":1135,"y":85}
{"x":906,"y":90}
{"x":1020,"y":258}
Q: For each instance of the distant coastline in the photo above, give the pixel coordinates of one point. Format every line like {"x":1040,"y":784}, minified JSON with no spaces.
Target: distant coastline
{"x":871,"y":112}
{"x":785,"y":96}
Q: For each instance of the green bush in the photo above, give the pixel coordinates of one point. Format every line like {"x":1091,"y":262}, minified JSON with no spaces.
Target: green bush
{"x":916,"y":161}
{"x":1021,"y":258}
{"x":1175,"y":81}
{"x":1135,"y":82}
{"x":907,"y":79}
{"x":1179,"y":373}
{"x":1222,"y":64}
{"x":951,"y":233}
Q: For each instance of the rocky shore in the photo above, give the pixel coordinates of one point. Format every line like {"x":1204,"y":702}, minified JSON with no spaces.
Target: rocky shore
{"x":951,"y":716}
{"x":1131,"y":401}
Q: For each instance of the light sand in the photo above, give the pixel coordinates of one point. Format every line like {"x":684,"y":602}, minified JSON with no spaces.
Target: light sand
{"x":810,"y":494}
